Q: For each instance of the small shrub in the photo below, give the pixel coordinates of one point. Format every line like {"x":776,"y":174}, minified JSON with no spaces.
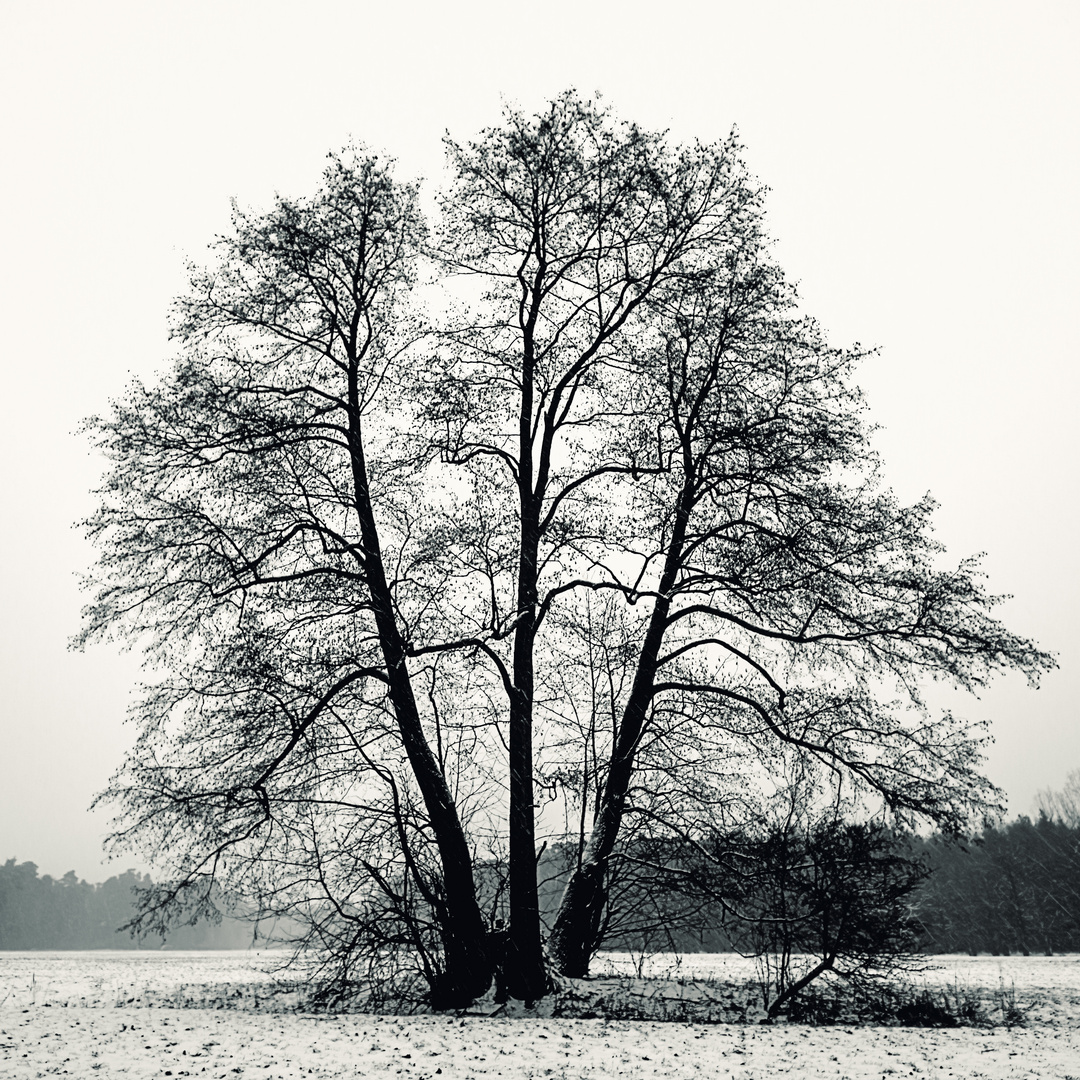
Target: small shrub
{"x":1005,"y":1000}
{"x":817,"y":1007}
{"x":924,"y":1009}
{"x":906,"y":1005}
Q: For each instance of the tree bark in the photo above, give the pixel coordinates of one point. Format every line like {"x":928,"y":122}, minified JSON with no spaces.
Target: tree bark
{"x":790,"y":991}
{"x":467,"y":956}
{"x":526,"y":977}
{"x":573,"y":938}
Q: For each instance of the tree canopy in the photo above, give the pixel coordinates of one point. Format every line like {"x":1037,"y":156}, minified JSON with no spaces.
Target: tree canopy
{"x":561,"y":498}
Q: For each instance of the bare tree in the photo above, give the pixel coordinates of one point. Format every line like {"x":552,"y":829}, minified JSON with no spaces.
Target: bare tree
{"x":794,"y":604}
{"x":568,"y":221}
{"x":1064,"y":804}
{"x":827,"y":898}
{"x":257,"y":536}
{"x":609,"y":527}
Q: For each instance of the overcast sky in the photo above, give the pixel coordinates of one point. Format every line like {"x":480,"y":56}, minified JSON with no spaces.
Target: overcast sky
{"x":923,"y":165}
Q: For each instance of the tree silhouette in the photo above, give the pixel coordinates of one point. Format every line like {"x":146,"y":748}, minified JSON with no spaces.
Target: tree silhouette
{"x":598,"y":518}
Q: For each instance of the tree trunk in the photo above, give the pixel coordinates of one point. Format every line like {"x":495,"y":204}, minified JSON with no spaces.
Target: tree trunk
{"x":574,"y":935}
{"x":790,"y":991}
{"x":573,"y":938}
{"x":468,"y":962}
{"x":526,"y":977}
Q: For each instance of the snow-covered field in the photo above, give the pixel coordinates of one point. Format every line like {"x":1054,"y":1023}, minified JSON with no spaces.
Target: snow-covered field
{"x":146,"y":1014}
{"x":1047,"y":988}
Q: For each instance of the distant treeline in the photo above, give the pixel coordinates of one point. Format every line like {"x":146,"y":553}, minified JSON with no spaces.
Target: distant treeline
{"x":1013,"y":888}
{"x":66,"y":913}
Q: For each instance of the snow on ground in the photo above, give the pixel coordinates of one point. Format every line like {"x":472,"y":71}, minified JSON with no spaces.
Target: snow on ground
{"x":1047,"y":988}
{"x":110,"y":1014}
{"x":198,"y":1042}
{"x":137,"y":978}
{"x":1024,"y":972}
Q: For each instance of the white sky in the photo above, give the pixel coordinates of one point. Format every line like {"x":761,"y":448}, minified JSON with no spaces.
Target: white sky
{"x":923,"y":159}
